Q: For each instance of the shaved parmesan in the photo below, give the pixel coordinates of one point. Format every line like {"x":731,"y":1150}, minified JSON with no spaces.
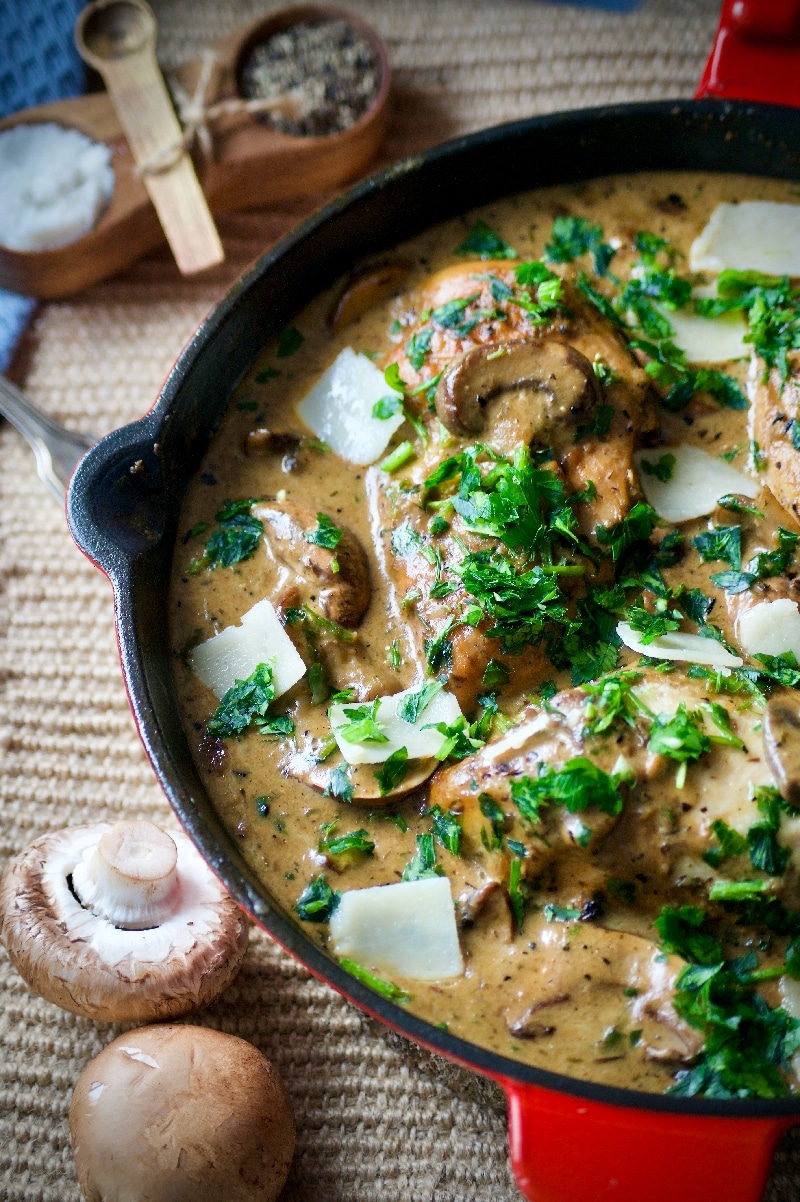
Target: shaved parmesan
{"x":406,"y":930}
{"x":757,"y":235}
{"x":339,"y":408}
{"x":692,"y":648}
{"x":770,"y":628}
{"x":235,"y":653}
{"x":419,"y":741}
{"x":697,"y":482}
{"x":708,"y":340}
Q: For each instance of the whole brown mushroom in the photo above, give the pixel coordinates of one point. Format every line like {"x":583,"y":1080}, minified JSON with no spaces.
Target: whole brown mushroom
{"x":175,"y":1113}
{"x":120,"y":922}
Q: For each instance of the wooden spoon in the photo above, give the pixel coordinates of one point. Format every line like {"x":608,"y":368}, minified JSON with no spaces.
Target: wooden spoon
{"x":252,"y":163}
{"x":118,"y":39}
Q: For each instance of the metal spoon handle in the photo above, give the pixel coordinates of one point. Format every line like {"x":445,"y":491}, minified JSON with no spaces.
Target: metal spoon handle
{"x":57,"y":450}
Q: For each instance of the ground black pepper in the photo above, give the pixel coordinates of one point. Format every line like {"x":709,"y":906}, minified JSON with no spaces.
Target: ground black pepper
{"x":328,"y":66}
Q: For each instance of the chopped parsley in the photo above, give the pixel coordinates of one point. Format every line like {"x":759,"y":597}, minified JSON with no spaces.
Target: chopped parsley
{"x":414,"y":705}
{"x":423,"y":863}
{"x":361,"y":724}
{"x":662,"y":469}
{"x":486,"y":243}
{"x":327,"y":533}
{"x":339,"y":783}
{"x":317,"y":901}
{"x":386,"y":989}
{"x":747,"y":1046}
{"x":577,"y":786}
{"x":446,"y":829}
{"x":575,"y":236}
{"x":236,"y":538}
{"x":720,"y":543}
{"x":680,"y":737}
{"x":393,"y":771}
{"x":289,"y":341}
{"x":347,"y":847}
{"x":245,"y":702}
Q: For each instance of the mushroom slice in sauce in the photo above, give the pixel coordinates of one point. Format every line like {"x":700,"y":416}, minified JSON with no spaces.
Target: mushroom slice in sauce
{"x":780,"y":726}
{"x":120,"y":923}
{"x":586,"y":981}
{"x":335,"y":578}
{"x":366,"y":289}
{"x":511,"y":393}
{"x":774,"y":406}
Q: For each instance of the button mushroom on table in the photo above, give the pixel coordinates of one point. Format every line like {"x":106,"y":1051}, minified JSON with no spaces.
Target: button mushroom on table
{"x":122,"y":922}
{"x":176,"y":1113}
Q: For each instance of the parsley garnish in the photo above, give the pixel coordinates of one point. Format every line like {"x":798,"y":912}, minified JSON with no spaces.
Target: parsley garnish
{"x":662,"y":469}
{"x":347,"y":847}
{"x":576,"y":236}
{"x":610,"y":700}
{"x":679,"y":738}
{"x":423,"y":863}
{"x":317,"y":901}
{"x":361,"y":724}
{"x":577,"y":786}
{"x":327,"y":534}
{"x":486,"y":243}
{"x":245,"y":702}
{"x":237,"y":537}
{"x":414,"y":705}
{"x":446,"y":829}
{"x":289,"y":341}
{"x":393,"y":771}
{"x":339,"y":783}
{"x":747,"y":1046}
{"x":386,"y":989}
{"x":722,"y":542}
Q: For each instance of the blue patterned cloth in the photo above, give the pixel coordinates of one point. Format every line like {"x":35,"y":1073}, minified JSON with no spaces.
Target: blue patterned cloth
{"x":38,"y":63}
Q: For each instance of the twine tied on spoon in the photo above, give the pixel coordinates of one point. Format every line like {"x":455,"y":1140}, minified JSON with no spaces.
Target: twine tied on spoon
{"x":196,"y":115}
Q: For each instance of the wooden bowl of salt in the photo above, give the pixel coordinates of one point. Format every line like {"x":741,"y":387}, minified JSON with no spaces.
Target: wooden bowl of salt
{"x":245,"y":156}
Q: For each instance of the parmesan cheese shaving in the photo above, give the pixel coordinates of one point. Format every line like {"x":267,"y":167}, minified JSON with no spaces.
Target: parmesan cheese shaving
{"x":339,"y":408}
{"x":770,"y":628}
{"x":405,"y":930}
{"x":757,"y":235}
{"x":691,"y":648}
{"x":705,"y":339}
{"x":697,"y":482}
{"x":418,"y":738}
{"x":235,"y":653}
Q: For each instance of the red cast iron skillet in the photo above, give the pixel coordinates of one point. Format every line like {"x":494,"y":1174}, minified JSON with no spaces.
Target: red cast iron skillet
{"x":570,"y":1141}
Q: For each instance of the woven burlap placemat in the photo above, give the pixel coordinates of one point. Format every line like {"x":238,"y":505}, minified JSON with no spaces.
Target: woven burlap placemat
{"x":375,"y":1122}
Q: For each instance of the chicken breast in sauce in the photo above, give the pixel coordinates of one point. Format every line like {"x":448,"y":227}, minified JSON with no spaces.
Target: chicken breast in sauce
{"x":614,"y":795}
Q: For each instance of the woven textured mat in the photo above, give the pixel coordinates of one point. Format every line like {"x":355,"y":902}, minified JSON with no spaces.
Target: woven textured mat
{"x":375,"y":1122}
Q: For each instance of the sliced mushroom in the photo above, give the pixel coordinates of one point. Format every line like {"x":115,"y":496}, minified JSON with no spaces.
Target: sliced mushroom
{"x":122,"y":922}
{"x":261,"y":442}
{"x":533,"y":386}
{"x":780,"y":728}
{"x":302,"y":766}
{"x":576,"y":979}
{"x":176,"y":1113}
{"x":366,"y":289}
{"x":338,"y":578}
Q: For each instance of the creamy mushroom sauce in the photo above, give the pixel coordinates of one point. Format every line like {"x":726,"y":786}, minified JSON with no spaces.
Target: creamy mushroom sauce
{"x":578,"y":997}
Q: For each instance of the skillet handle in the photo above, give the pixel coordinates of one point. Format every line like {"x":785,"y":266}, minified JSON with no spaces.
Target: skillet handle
{"x":116,"y":502}
{"x":756,"y":53}
{"x":570,"y":1149}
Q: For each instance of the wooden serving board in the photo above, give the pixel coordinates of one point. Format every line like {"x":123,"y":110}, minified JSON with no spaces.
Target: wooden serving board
{"x":252,"y":164}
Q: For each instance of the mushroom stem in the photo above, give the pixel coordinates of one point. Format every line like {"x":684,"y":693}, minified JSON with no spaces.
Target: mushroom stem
{"x":129,"y":878}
